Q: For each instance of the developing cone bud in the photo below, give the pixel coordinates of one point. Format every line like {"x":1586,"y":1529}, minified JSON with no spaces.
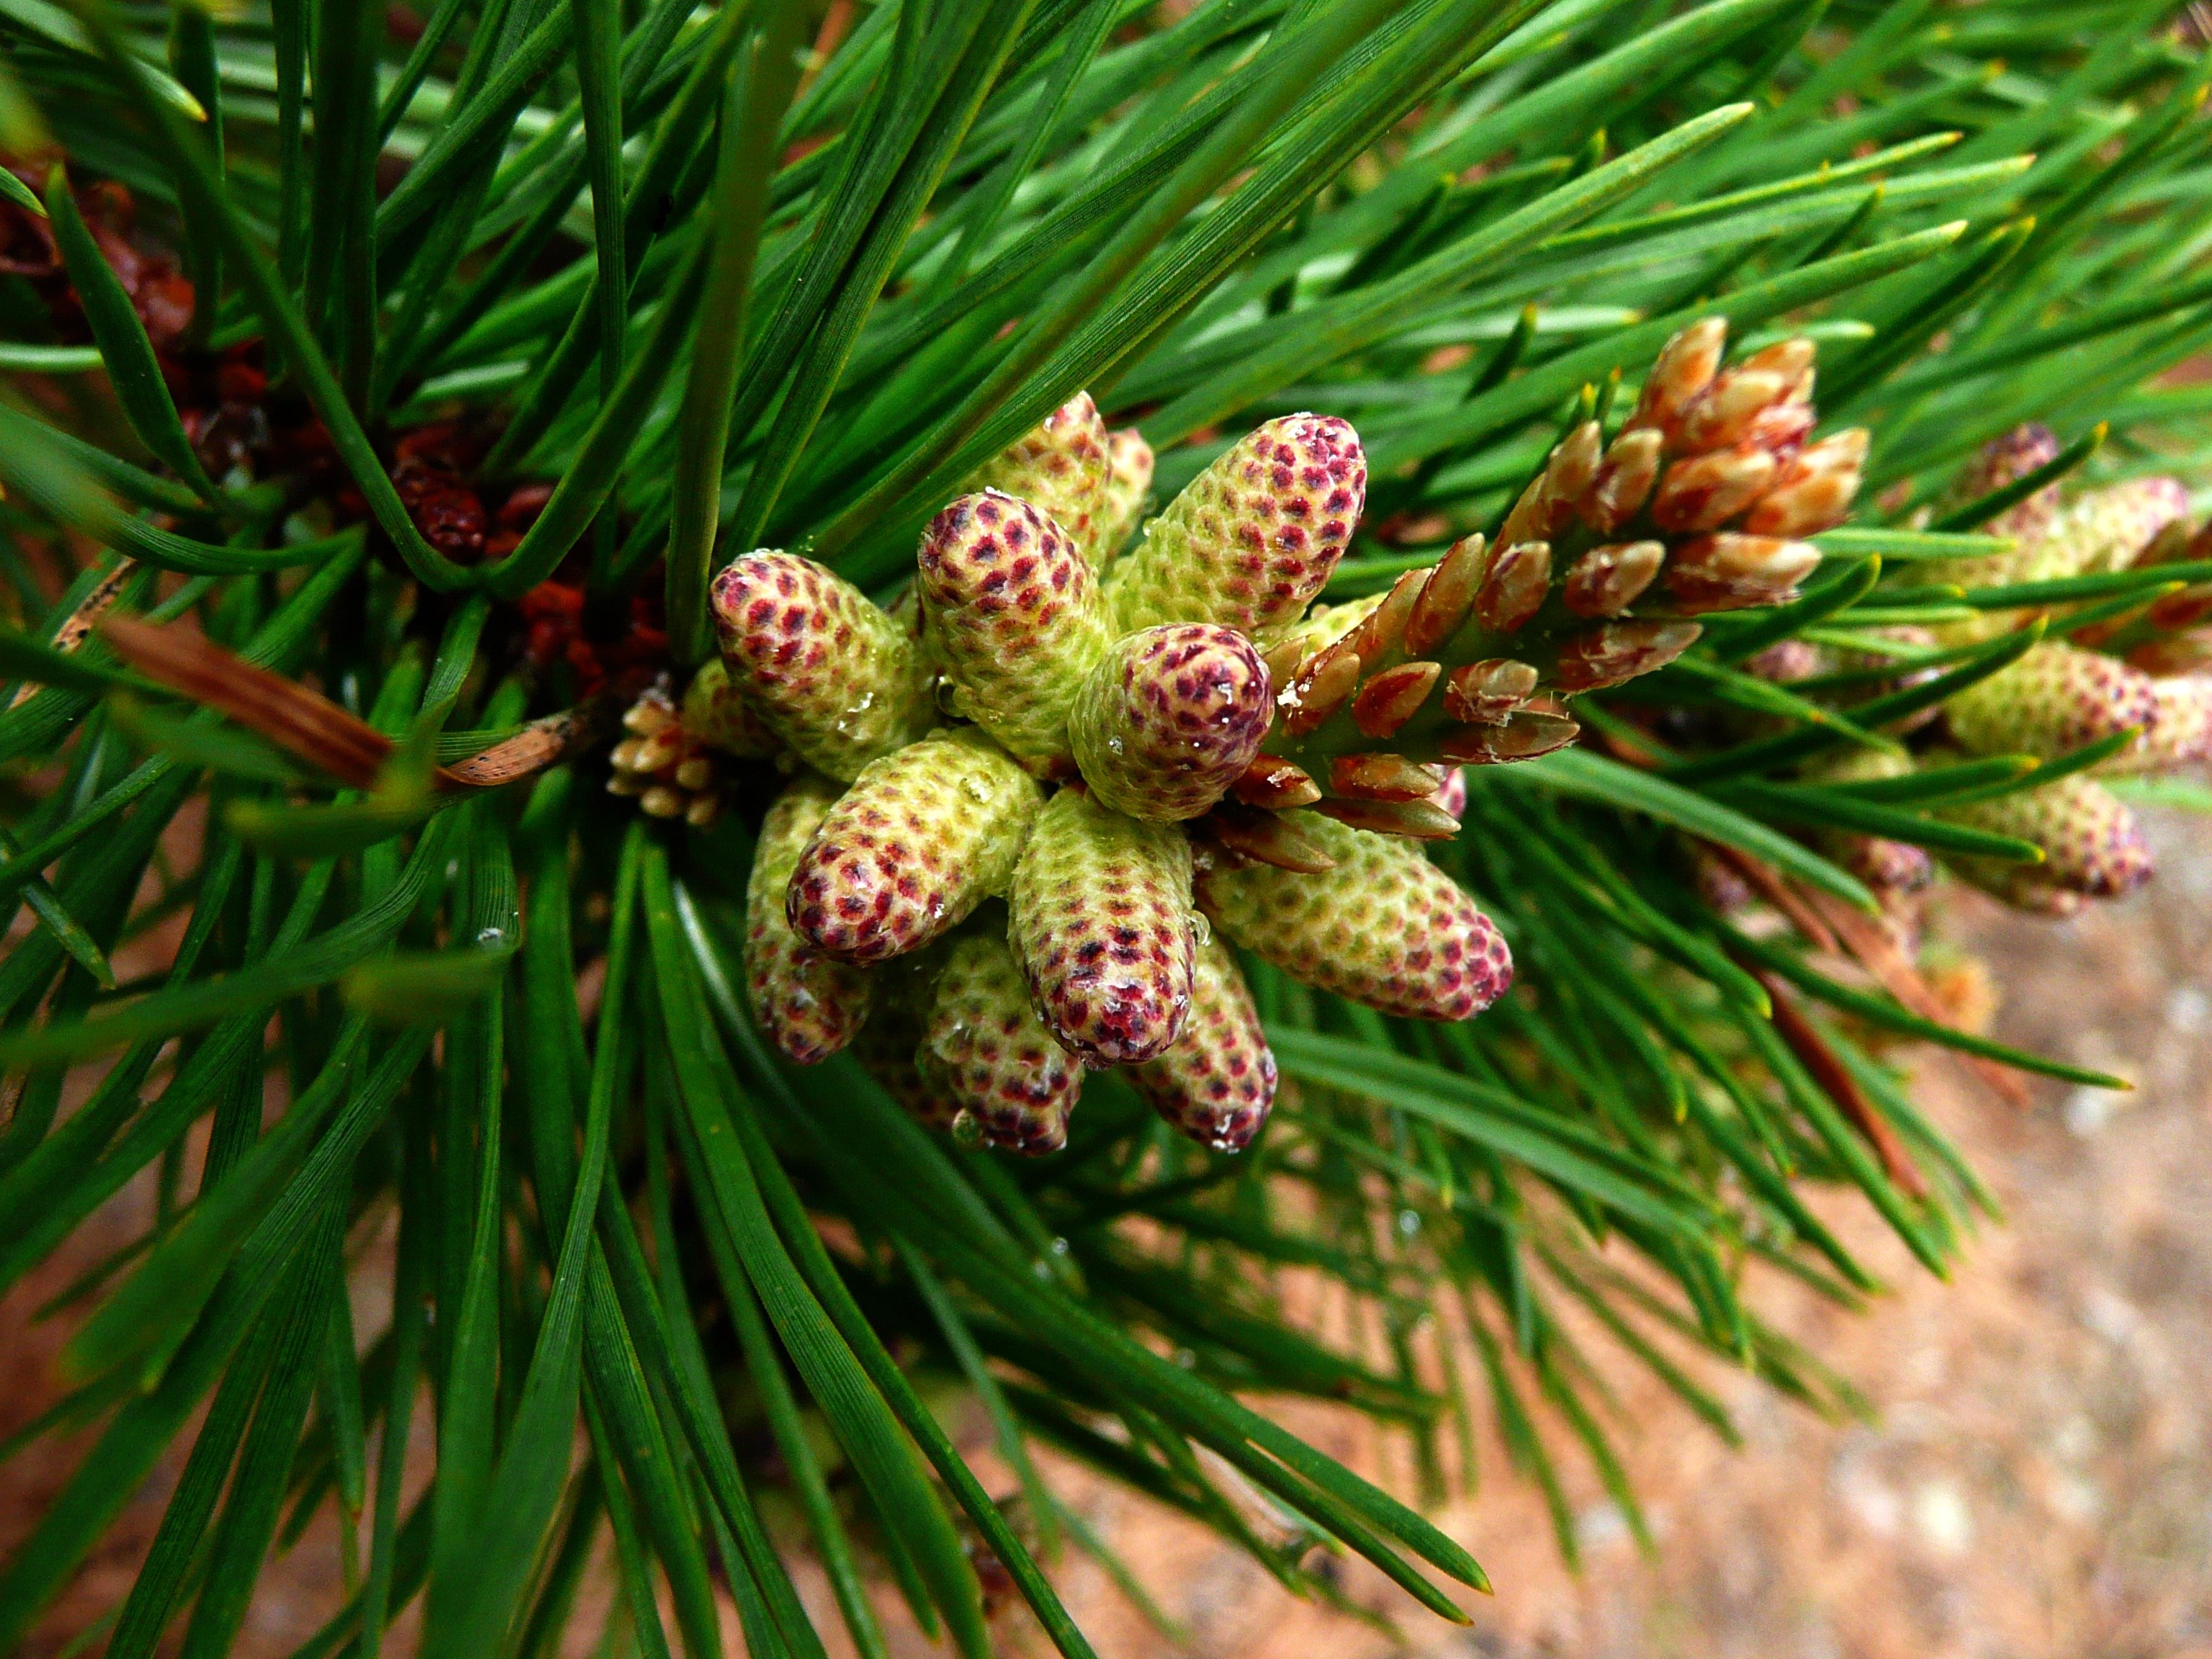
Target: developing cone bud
{"x":810,"y":1004}
{"x":1384,"y":926}
{"x":1015,"y":617}
{"x":1169,"y":719}
{"x":2053,"y":699}
{"x":922,"y":838}
{"x":1685,"y":368}
{"x":2007,"y":460}
{"x":984,"y":1050}
{"x":837,"y":680}
{"x":1100,"y":909}
{"x":1128,"y":487}
{"x":2091,"y":842}
{"x":1813,"y":490}
{"x":663,"y":765}
{"x":1253,"y":539}
{"x":1733,"y":571}
{"x":1216,"y":1081}
{"x":2181,"y":731}
{"x":1061,"y":470}
{"x":719,"y":718}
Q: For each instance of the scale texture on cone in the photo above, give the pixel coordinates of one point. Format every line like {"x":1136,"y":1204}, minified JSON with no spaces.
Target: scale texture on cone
{"x":810,"y":1004}
{"x":1217,"y":1083}
{"x":2052,"y":700}
{"x":1170,"y":718}
{"x":922,"y":838}
{"x":840,"y":682}
{"x":1384,"y":927}
{"x":986,"y":1052}
{"x":1253,"y":539}
{"x":1061,"y":468}
{"x":2091,"y":844}
{"x":1128,"y":488}
{"x":1102,"y":925}
{"x":1015,"y":618}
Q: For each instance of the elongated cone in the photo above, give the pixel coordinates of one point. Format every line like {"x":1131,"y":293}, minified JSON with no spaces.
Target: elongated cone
{"x":1100,"y":921}
{"x":2180,"y":730}
{"x":2053,"y":699}
{"x":1385,"y":927}
{"x":1217,"y":1081}
{"x":2108,"y":529}
{"x":922,"y":838}
{"x":1171,"y":718}
{"x":1253,"y":539}
{"x":837,"y":680}
{"x":2091,"y":842}
{"x":1016,"y":618}
{"x":810,"y":1004}
{"x":1061,"y":468}
{"x":986,"y":1052}
{"x":715,"y":714}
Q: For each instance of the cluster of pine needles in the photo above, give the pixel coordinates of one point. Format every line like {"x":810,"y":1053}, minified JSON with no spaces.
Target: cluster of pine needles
{"x":426,"y":366}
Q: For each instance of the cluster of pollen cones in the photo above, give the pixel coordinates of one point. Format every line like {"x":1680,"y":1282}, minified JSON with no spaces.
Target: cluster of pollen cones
{"x":2137,"y":684}
{"x":1038,"y":799}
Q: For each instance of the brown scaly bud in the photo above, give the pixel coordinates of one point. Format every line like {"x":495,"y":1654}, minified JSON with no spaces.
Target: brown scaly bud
{"x":1101,"y":923}
{"x":1704,"y":492}
{"x":837,"y":680}
{"x":984,"y":1050}
{"x":1733,"y":571}
{"x":2181,"y":731}
{"x":1514,"y":586}
{"x":1384,"y":927}
{"x":1594,"y":573}
{"x":1062,"y":469}
{"x":1382,"y":777}
{"x":1446,"y":597}
{"x":1686,"y":366}
{"x":1016,"y":618}
{"x":1319,"y":688}
{"x":1389,"y":698}
{"x":2055,"y":699}
{"x":1624,"y":480}
{"x":1275,"y":785}
{"x":1620,"y":651}
{"x":1169,"y":719}
{"x":1128,"y":487}
{"x":715,"y":714}
{"x":2092,"y":843}
{"x":1415,"y":820}
{"x":663,"y":764}
{"x":1488,"y":691}
{"x":922,"y":838}
{"x":1265,"y":837}
{"x":1253,"y":539}
{"x":1217,"y":1082}
{"x":1524,"y":736}
{"x":809,"y":1004}
{"x":1815,"y":489}
{"x":1606,"y":581}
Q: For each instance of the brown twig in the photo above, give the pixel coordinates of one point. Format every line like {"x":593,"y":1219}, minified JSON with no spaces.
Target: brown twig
{"x":1763,"y":879}
{"x":311,"y":728}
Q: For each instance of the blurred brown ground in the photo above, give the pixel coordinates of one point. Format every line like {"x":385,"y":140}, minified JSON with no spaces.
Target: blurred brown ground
{"x":2039,"y":1482}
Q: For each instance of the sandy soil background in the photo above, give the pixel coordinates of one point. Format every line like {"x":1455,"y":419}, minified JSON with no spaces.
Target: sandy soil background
{"x":2038,"y":1483}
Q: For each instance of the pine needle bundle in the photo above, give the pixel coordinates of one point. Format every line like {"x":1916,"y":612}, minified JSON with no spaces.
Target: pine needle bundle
{"x":790,"y":711}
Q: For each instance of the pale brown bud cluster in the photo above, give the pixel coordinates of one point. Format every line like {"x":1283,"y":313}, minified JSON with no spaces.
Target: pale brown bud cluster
{"x":668,"y":768}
